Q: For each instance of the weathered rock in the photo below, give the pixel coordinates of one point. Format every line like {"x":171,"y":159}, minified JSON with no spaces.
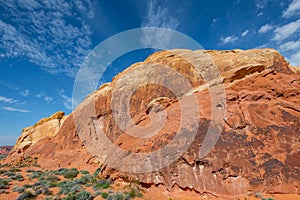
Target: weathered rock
{"x":45,"y":128}
{"x":258,"y":149}
{"x":4,"y":150}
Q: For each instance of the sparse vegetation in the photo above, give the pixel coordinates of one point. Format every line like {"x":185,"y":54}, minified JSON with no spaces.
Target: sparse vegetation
{"x":2,"y":157}
{"x":4,"y":183}
{"x":18,"y":189}
{"x":69,"y":185}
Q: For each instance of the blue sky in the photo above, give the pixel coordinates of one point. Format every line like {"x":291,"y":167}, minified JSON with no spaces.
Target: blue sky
{"x":44,"y":42}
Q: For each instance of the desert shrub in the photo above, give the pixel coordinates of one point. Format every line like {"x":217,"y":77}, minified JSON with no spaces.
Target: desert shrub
{"x":4,"y":183}
{"x":84,"y":172}
{"x":18,"y":177}
{"x":26,"y":195}
{"x":132,"y":193}
{"x":84,"y":195}
{"x":9,"y":173}
{"x":18,"y":189}
{"x":104,"y":195}
{"x":68,"y":187}
{"x":97,"y":172}
{"x":84,"y":179}
{"x":104,"y":184}
{"x":36,"y":174}
{"x":52,"y":178}
{"x":27,"y":186}
{"x":29,"y":170}
{"x":15,"y":169}
{"x":60,"y":171}
{"x":116,"y":196}
{"x":71,"y":173}
{"x":3,"y":171}
{"x":2,"y":157}
{"x":2,"y":191}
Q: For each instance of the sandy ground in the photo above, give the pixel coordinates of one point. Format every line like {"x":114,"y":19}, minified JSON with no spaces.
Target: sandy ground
{"x":152,"y":193}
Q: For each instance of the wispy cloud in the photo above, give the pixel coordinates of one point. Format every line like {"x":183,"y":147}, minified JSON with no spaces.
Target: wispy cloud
{"x":293,"y":9}
{"x":286,"y":30}
{"x":245,"y":33}
{"x":291,"y":45}
{"x":158,"y":15}
{"x":25,"y":93}
{"x":229,"y":39}
{"x":66,"y":100}
{"x":265,"y":28}
{"x":44,"y":96}
{"x":15,"y":109}
{"x":261,"y":3}
{"x":295,"y":58}
{"x":40,"y":32}
{"x":7,"y":100}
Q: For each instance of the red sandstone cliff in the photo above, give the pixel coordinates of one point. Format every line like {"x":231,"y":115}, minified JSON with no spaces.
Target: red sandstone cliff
{"x":259,"y":145}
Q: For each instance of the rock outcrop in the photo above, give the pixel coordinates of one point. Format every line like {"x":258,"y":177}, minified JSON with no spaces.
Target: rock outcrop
{"x":258,"y":148}
{"x":45,"y":128}
{"x":4,"y":150}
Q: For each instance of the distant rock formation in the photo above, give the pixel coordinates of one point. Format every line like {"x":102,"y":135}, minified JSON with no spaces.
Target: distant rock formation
{"x":259,"y":146}
{"x":4,"y":150}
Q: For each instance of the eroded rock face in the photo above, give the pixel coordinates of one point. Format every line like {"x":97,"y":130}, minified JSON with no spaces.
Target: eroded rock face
{"x":45,"y":128}
{"x":258,"y":149}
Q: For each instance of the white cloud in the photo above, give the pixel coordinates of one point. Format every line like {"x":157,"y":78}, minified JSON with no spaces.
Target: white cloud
{"x":291,"y":45}
{"x":15,"y":109}
{"x":66,"y":101}
{"x":229,"y":39}
{"x":7,"y":100}
{"x":48,"y":99}
{"x":286,"y":30}
{"x":295,"y":59}
{"x":25,"y":93}
{"x":293,"y":9}
{"x":245,"y":33}
{"x":260,"y":14}
{"x":39,"y":32}
{"x":265,"y":28}
{"x":158,"y":16}
{"x":261,"y":3}
{"x":44,"y":96}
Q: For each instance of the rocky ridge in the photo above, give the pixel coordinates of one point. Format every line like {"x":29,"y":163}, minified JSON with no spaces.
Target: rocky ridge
{"x":258,"y":148}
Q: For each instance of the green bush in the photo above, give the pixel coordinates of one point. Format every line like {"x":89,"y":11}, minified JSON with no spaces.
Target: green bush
{"x":84,"y":179}
{"x":18,"y":177}
{"x":2,"y":157}
{"x":104,"y":184}
{"x":67,"y":187}
{"x":36,"y":174}
{"x":27,"y":186}
{"x":4,"y":183}
{"x":9,"y":173}
{"x":72,"y":173}
{"x":104,"y":195}
{"x":84,"y":195}
{"x":18,"y":189}
{"x":26,"y":195}
{"x":84,"y":172}
{"x":116,"y":196}
{"x":52,"y":178}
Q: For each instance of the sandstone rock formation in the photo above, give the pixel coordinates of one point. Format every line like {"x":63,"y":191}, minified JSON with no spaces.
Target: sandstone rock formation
{"x":45,"y":128}
{"x":258,"y":148}
{"x":4,"y":150}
